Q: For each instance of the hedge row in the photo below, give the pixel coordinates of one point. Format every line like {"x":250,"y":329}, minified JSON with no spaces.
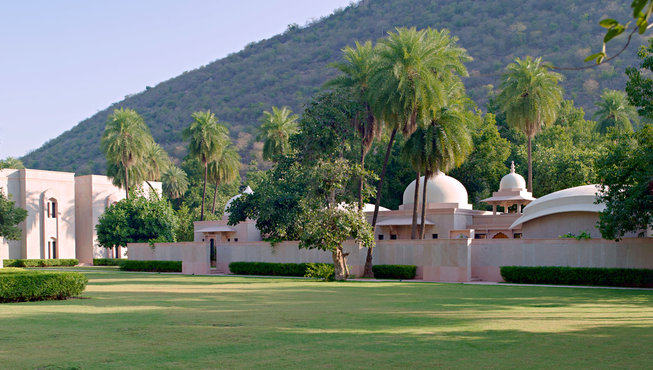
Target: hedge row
{"x":107,"y":261}
{"x":578,"y":276}
{"x":403,"y":272}
{"x":40,"y":262}
{"x":270,"y":269}
{"x":21,"y":286}
{"x":153,"y":266}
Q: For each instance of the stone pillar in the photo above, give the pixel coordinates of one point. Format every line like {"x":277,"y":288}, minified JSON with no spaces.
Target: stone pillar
{"x":494,"y":209}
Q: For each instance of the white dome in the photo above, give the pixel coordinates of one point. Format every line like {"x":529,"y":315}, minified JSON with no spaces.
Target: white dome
{"x":512,"y":180}
{"x":439,"y":189}
{"x":247,"y":190}
{"x":577,"y":199}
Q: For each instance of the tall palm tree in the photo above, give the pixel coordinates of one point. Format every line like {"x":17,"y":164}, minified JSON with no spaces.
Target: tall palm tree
{"x":614,"y":110}
{"x":207,"y":139}
{"x":224,"y":170}
{"x":155,"y":162}
{"x":531,"y":97}
{"x":357,"y":69}
{"x":124,"y":142}
{"x":275,"y":131}
{"x":413,"y":153}
{"x":175,"y":182}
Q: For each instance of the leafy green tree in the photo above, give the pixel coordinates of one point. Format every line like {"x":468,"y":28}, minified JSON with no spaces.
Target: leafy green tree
{"x":625,"y":172}
{"x":207,"y":139}
{"x":275,"y":131}
{"x":530,"y":97}
{"x":615,"y":112}
{"x":639,"y":86}
{"x":11,"y":162}
{"x":224,"y":170}
{"x":10,"y":217}
{"x":136,"y":220}
{"x":124,"y":144}
{"x":185,"y":230}
{"x":175,"y":182}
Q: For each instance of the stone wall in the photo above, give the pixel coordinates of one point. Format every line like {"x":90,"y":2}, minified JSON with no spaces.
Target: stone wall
{"x":194,"y":256}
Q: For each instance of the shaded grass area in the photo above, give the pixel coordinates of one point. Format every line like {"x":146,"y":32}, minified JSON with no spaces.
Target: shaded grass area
{"x":177,"y":321}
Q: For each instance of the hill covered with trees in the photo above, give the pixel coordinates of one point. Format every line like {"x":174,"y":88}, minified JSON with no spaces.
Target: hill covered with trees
{"x":289,"y":68}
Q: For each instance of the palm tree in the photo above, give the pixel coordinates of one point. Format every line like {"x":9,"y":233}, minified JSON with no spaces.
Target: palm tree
{"x":614,"y":110}
{"x":155,"y":162}
{"x":413,"y":153}
{"x":207,"y":139}
{"x":124,"y":142}
{"x":275,"y":131}
{"x":175,"y":182}
{"x":530,"y":97}
{"x":224,"y":170}
{"x":356,"y":71}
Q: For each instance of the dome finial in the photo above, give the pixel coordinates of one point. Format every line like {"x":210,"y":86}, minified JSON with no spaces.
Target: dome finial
{"x":512,"y":167}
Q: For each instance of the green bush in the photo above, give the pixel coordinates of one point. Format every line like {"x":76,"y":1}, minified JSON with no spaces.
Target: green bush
{"x":154,"y":266}
{"x":403,"y":272}
{"x":271,"y":269}
{"x":40,"y":262}
{"x":22,"y":286}
{"x":578,"y":276}
{"x":320,"y":271}
{"x":107,"y":261}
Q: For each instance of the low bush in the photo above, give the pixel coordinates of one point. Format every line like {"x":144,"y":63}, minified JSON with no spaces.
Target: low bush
{"x":320,"y":271}
{"x":557,"y":275}
{"x":40,"y":262}
{"x":22,"y":286}
{"x":271,"y":269}
{"x":153,"y":266}
{"x":107,"y":261}
{"x":403,"y":272}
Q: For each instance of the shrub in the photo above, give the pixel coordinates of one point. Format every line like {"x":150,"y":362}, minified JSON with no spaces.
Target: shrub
{"x":578,"y":276}
{"x":107,"y":261}
{"x":21,"y":286}
{"x":40,"y":262}
{"x":320,"y":271}
{"x":403,"y":272}
{"x":271,"y":269}
{"x":154,"y":266}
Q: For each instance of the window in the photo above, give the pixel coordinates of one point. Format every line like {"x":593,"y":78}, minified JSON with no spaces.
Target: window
{"x":393,"y":236}
{"x":235,"y":239}
{"x":479,"y":236}
{"x":434,"y":236}
{"x":380,"y":236}
{"x":228,"y":239}
{"x":51,"y":252}
{"x":52,"y":209}
{"x":517,"y":235}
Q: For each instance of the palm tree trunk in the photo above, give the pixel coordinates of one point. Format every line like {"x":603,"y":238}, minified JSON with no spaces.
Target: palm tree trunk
{"x":152,"y":188}
{"x":126,"y":183}
{"x":362,"y":178}
{"x":424,"y":198}
{"x":206,"y":174}
{"x":367,"y":272}
{"x":530,"y":166}
{"x":214,"y":196}
{"x":413,"y":229}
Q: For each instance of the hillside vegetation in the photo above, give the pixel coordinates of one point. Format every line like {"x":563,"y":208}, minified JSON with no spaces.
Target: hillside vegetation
{"x":287,"y":69}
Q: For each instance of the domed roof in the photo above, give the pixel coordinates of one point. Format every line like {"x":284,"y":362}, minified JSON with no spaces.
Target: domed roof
{"x":247,"y":190}
{"x":512,"y":180}
{"x":577,"y":199}
{"x":439,"y":189}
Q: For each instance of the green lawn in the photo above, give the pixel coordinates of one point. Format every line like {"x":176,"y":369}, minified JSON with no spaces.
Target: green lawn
{"x":176,"y":321}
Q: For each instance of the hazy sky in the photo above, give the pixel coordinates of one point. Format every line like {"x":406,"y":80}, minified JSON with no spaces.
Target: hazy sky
{"x":63,"y":61}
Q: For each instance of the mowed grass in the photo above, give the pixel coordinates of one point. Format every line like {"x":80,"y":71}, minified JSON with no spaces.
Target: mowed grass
{"x":175,"y":321}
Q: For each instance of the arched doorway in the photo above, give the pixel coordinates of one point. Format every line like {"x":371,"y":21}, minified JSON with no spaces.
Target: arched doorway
{"x":500,"y":236}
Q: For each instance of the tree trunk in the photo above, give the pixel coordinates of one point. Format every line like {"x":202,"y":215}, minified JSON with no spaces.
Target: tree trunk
{"x":206,"y":173}
{"x":530,"y":166}
{"x":152,"y":188}
{"x":126,"y":183}
{"x":362,"y":178}
{"x":339,"y":264}
{"x":214,"y":195}
{"x":367,"y":272}
{"x":413,"y":229}
{"x":424,"y":199}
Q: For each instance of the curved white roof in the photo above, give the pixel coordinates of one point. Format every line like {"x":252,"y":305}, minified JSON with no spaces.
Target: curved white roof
{"x":439,"y":189}
{"x":513,"y":180}
{"x":247,"y":190}
{"x":577,"y":199}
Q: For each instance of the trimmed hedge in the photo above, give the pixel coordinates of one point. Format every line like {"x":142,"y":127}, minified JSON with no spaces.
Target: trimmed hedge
{"x":22,"y":286}
{"x":404,"y":272}
{"x":271,"y":269}
{"x":153,"y":266}
{"x":557,"y":275}
{"x":107,"y":261}
{"x":40,"y":262}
